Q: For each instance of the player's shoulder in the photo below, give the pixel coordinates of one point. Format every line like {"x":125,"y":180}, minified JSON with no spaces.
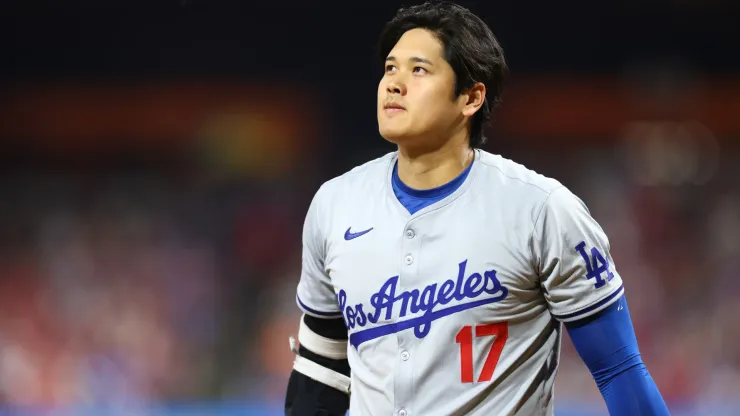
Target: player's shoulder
{"x":363,"y":179}
{"x":529,"y":190}
{"x":512,"y":174}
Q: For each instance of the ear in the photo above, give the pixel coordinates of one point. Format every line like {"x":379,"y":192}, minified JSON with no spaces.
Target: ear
{"x":475,"y":96}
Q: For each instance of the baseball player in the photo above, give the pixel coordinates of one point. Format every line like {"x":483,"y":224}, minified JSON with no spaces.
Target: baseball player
{"x":435,"y":279}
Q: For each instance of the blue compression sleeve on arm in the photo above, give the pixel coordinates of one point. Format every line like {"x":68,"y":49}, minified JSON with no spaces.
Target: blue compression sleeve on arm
{"x":607,"y":345}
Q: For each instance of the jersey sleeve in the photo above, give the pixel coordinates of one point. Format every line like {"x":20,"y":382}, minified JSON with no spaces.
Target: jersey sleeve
{"x":576,"y":270}
{"x":315,"y":293}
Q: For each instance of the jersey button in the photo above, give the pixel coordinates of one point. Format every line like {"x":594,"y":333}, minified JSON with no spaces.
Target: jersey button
{"x":405,"y":355}
{"x":410,"y":233}
{"x":408,"y":259}
{"x":402,"y":412}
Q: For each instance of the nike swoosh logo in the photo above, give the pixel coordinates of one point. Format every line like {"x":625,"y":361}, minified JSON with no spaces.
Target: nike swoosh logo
{"x":348,"y":235}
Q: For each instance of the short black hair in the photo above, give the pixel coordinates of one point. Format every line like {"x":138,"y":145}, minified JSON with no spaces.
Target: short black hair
{"x":470,"y":48}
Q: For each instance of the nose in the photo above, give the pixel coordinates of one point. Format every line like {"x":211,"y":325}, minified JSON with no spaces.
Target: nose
{"x":395,"y":87}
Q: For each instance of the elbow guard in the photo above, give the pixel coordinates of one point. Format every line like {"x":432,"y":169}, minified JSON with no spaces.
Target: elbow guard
{"x":329,"y":348}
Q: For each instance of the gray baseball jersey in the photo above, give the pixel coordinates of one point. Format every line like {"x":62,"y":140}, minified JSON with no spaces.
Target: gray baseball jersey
{"x":456,"y":309}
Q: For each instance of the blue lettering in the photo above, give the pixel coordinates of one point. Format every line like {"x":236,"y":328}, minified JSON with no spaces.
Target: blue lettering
{"x":342,"y":300}
{"x":360,"y":315}
{"x":491,"y":276}
{"x":350,"y":314}
{"x":471,"y":286}
{"x":409,"y":299}
{"x":415,"y":301}
{"x":595,"y":266}
{"x":384,"y":299}
{"x":445,"y":292}
{"x":426,"y":301}
{"x":459,"y":294}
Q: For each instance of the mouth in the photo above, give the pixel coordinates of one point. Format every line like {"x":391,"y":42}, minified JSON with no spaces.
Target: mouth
{"x":392,"y":108}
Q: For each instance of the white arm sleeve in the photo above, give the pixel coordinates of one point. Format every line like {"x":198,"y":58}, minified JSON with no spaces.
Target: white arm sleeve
{"x":315,"y":293}
{"x":576,"y":270}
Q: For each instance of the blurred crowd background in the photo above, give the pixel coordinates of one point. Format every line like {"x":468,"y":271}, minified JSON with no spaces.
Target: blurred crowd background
{"x":157,"y":160}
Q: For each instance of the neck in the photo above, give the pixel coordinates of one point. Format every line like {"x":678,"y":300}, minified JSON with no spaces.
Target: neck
{"x":430,"y":168}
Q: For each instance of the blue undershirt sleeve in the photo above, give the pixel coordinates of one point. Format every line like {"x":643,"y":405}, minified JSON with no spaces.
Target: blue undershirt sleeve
{"x":607,"y":345}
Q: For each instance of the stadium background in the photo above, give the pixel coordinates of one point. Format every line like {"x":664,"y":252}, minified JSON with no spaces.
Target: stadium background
{"x":157,"y":159}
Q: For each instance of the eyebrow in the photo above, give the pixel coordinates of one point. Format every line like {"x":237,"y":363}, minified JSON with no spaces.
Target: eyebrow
{"x":412,"y":59}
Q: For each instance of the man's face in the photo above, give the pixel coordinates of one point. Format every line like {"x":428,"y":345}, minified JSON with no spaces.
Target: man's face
{"x":416,"y":94}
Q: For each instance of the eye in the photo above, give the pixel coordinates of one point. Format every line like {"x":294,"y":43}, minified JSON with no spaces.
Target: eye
{"x":420,"y":70}
{"x":390,"y":68}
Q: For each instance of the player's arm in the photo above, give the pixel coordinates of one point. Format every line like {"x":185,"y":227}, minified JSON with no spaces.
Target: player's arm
{"x":319,"y":382}
{"x":322,"y":355}
{"x":584,"y":290}
{"x":607,"y":344}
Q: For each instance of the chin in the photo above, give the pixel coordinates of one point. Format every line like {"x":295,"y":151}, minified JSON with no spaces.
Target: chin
{"x":393,"y":135}
{"x":393,"y":130}
{"x":404,"y":140}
